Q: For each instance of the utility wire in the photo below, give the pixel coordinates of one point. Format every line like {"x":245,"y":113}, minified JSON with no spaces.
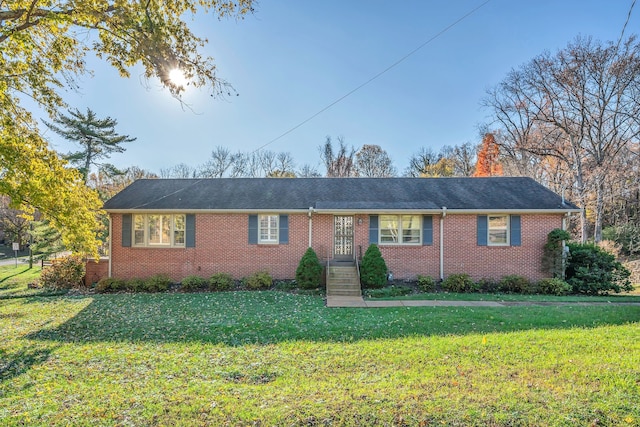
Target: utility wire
{"x":624,"y":27}
{"x":402,"y":59}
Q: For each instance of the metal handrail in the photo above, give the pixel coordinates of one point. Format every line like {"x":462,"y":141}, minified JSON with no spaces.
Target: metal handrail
{"x":357,"y":267}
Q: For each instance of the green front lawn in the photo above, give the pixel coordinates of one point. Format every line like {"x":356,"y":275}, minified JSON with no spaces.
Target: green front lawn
{"x":447,"y":296}
{"x":273,"y":358}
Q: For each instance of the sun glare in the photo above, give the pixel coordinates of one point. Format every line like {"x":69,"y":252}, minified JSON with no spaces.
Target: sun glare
{"x":177,"y":77}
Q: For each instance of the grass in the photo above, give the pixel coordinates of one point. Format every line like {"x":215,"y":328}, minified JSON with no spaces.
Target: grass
{"x":275,"y":358}
{"x":444,"y":296}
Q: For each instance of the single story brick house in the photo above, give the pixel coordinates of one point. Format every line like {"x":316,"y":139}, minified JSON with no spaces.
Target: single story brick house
{"x":486,"y":227}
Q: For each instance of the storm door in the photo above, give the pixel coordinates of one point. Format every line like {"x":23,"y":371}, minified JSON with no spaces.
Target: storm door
{"x":343,"y":237}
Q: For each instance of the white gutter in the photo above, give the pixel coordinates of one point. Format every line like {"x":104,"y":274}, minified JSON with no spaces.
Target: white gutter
{"x":110,"y":246}
{"x":444,"y":213}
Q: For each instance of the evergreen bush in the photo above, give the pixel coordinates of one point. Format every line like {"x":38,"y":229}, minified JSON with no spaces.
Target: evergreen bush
{"x":373,"y":271}
{"x":221,"y":282}
{"x":110,"y":284}
{"x":459,"y":283}
{"x":516,"y":284}
{"x":259,"y":280}
{"x":426,"y":283}
{"x":554,"y":286}
{"x":194,"y":283}
{"x":157,"y":283}
{"x":592,"y":270}
{"x":309,"y":271}
{"x":136,"y":285}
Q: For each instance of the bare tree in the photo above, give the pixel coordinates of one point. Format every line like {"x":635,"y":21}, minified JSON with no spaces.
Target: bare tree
{"x":181,"y":170}
{"x":421,"y":163}
{"x":372,"y":161}
{"x":581,"y":106}
{"x":220,"y":161}
{"x":308,"y":171}
{"x":338,"y":164}
{"x":464,"y":158}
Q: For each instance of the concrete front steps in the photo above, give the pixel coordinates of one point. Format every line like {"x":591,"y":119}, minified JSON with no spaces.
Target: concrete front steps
{"x":343,"y":281}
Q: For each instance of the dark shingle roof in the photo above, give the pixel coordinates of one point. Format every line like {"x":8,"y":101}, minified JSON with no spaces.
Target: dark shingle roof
{"x":498,"y":193}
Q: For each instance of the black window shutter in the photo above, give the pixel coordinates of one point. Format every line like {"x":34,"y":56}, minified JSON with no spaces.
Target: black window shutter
{"x":283,"y":223}
{"x":482,"y":230}
{"x":427,"y":230}
{"x":373,"y":229}
{"x":515,"y":230}
{"x":253,"y":229}
{"x":190,"y":230}
{"x":126,"y":230}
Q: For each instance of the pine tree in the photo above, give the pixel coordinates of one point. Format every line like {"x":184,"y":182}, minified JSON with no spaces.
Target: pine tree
{"x":488,"y":163}
{"x":309,"y":271}
{"x":97,"y":137}
{"x":373,"y":271}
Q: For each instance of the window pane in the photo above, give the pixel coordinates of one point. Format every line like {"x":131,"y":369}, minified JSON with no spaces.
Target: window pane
{"x":138,"y":230}
{"x":159,"y":229}
{"x":498,"y":230}
{"x":269,"y":228}
{"x":166,"y":229}
{"x":389,"y":229}
{"x":155,"y":223}
{"x":410,"y":228}
{"x":178,"y":230}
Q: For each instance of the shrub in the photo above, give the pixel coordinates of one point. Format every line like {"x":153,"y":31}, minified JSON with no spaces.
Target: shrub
{"x":426,"y":283}
{"x":136,"y":285}
{"x":488,"y":285}
{"x":157,"y":283}
{"x":591,"y":270}
{"x":66,"y":273}
{"x":459,"y":283}
{"x":110,"y":284}
{"x":309,"y":271}
{"x":389,"y":291}
{"x":516,"y":284}
{"x":192,"y":283}
{"x":221,"y":282}
{"x":373,"y":271}
{"x":259,"y":280}
{"x":554,"y":286}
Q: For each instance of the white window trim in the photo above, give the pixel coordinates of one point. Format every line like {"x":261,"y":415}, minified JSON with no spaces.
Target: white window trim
{"x":145,"y":230}
{"x":275,"y":241}
{"x":400,"y":234}
{"x":508,"y":227}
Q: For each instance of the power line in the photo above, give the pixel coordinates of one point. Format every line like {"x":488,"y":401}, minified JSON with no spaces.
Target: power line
{"x":396,"y":63}
{"x":624,"y":27}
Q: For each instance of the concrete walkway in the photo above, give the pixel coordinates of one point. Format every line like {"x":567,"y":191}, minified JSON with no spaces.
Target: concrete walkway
{"x":343,"y":301}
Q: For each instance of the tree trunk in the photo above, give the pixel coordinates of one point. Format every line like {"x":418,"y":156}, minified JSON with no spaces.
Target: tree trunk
{"x":597,"y":233}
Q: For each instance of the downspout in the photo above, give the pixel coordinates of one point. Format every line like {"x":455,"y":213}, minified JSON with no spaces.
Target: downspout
{"x":110,"y":246}
{"x":444,"y":213}
{"x":310,"y":224}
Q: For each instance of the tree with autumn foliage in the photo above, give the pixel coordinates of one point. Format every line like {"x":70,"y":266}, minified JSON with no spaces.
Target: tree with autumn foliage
{"x":42,"y":51}
{"x":488,"y":163}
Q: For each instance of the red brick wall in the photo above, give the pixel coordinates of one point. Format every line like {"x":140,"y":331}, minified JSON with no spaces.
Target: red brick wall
{"x":96,"y":271}
{"x":463,"y":255}
{"x":222,"y":246}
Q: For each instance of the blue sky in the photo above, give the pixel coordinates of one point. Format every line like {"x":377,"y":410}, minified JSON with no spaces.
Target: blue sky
{"x":292,"y":58}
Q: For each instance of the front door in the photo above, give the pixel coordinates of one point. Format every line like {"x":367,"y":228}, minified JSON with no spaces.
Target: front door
{"x":343,"y":237}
